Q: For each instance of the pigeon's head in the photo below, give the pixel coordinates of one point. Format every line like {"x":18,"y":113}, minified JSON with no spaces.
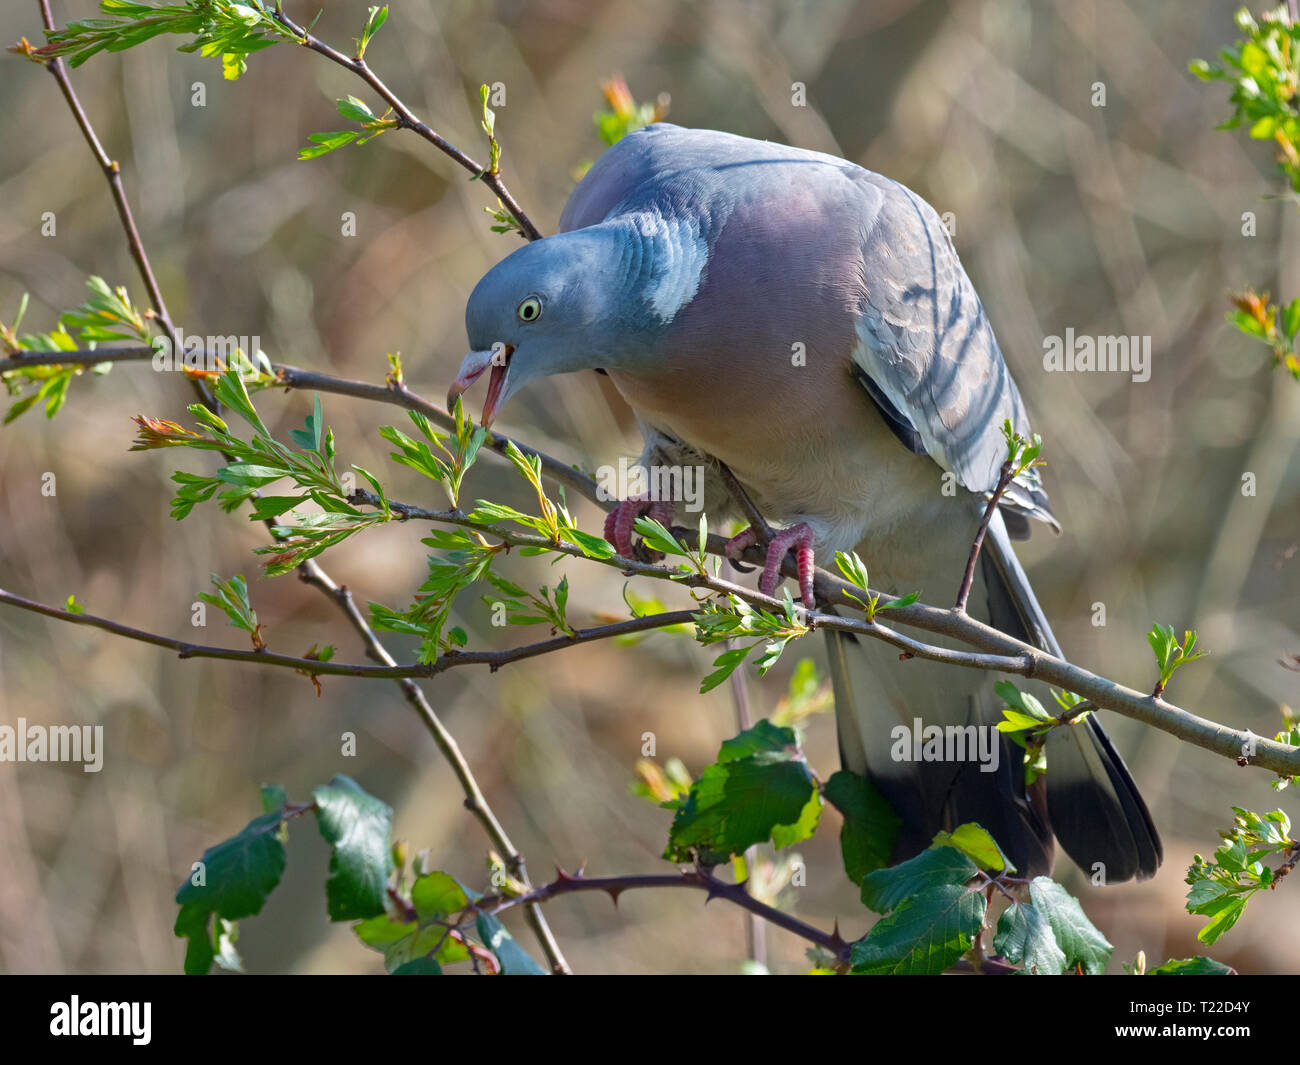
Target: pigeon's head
{"x":551,"y":307}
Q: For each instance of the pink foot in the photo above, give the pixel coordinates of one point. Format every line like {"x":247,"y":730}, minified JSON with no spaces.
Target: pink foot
{"x":800,"y":537}
{"x":620,"y":522}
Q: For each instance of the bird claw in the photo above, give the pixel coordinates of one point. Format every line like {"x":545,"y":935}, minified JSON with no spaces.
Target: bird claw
{"x":620,"y":523}
{"x":799,"y":537}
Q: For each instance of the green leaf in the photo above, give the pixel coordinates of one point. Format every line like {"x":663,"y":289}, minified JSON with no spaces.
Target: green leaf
{"x":923,"y":936}
{"x":437,"y":895}
{"x":324,"y":143}
{"x":233,"y":881}
{"x":977,"y":844}
{"x":419,"y":967}
{"x":1024,"y":936}
{"x":1197,"y":966}
{"x":885,"y":889}
{"x":1083,"y":945}
{"x":515,"y":961}
{"x":356,"y":825}
{"x":1223,"y":914}
{"x":357,"y":110}
{"x":273,"y":797}
{"x":870,"y":824}
{"x":1291,"y":318}
{"x":760,"y":783}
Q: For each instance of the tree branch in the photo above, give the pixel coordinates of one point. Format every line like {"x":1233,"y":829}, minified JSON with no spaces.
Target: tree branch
{"x":698,"y":878}
{"x":388,"y":671}
{"x":407,"y":120}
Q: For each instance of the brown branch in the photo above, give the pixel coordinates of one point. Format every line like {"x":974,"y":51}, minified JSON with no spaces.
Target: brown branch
{"x":968,"y":578}
{"x":996,"y":651}
{"x":475,"y":801}
{"x":388,"y":671}
{"x":407,"y":120}
{"x":292,"y":377}
{"x":698,"y":878}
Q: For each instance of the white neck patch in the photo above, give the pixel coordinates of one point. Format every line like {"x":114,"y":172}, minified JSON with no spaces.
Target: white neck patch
{"x":678,"y":251}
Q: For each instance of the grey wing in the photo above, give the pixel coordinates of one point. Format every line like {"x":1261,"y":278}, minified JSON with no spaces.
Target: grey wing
{"x":926,"y":351}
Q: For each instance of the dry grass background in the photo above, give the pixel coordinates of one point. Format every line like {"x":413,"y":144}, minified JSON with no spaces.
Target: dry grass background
{"x":1123,"y":219}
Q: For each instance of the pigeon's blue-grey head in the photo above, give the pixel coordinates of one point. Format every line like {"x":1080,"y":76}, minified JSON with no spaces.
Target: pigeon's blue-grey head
{"x":542,"y":310}
{"x":594,"y":297}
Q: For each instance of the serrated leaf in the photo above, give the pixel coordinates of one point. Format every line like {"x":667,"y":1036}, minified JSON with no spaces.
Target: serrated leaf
{"x":1078,"y":938}
{"x":885,"y":889}
{"x":1197,"y":966}
{"x":870,"y":827}
{"x":923,"y":936}
{"x":1025,"y":937}
{"x":356,"y":825}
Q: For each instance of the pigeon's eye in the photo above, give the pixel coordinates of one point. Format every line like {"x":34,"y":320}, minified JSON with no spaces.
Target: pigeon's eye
{"x":529,"y":310}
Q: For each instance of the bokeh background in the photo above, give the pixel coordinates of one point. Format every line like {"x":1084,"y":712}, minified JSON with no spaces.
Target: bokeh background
{"x":1122,"y":219}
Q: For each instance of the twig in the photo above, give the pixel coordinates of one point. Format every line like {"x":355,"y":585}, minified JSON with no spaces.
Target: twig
{"x":968,"y":578}
{"x":475,"y":801}
{"x":699,"y":878}
{"x":389,"y":671}
{"x":293,"y":377}
{"x":407,"y":120}
{"x":755,"y":929}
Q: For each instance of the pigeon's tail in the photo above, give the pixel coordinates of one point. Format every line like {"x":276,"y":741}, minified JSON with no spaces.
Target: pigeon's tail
{"x":924,"y":734}
{"x":1096,"y":810}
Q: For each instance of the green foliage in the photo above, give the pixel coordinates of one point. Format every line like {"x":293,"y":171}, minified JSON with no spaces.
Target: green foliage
{"x":539,"y":608}
{"x":514,"y":960}
{"x":1290,"y":735}
{"x":555,"y":523}
{"x":761,"y":788}
{"x":1198,"y":966}
{"x":231,"y":597}
{"x":925,"y":932}
{"x":870,"y":827}
{"x":1221,"y":888}
{"x":1022,"y":454}
{"x":1263,"y":70}
{"x":231,"y":29}
{"x":356,"y":826}
{"x":938,"y":866}
{"x":625,"y":115}
{"x":419,"y":922}
{"x":372,"y":126}
{"x":260,"y":461}
{"x":854,"y":570}
{"x":108,"y":315}
{"x":375,"y":19}
{"x":232,"y":881}
{"x":734,"y":619}
{"x":1275,"y":326}
{"x":1170,"y":653}
{"x":439,"y":456}
{"x":1086,"y":950}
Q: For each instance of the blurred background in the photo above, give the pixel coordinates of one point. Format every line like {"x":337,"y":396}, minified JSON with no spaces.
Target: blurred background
{"x":1122,"y":219}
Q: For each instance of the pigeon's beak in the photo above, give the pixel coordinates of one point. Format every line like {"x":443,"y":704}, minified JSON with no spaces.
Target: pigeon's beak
{"x":476,"y":362}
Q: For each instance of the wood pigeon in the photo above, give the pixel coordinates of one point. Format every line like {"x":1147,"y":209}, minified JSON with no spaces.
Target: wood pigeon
{"x":808,"y":323}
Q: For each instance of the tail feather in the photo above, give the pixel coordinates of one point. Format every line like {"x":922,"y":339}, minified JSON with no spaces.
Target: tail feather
{"x":1096,"y":810}
{"x":1089,"y":799}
